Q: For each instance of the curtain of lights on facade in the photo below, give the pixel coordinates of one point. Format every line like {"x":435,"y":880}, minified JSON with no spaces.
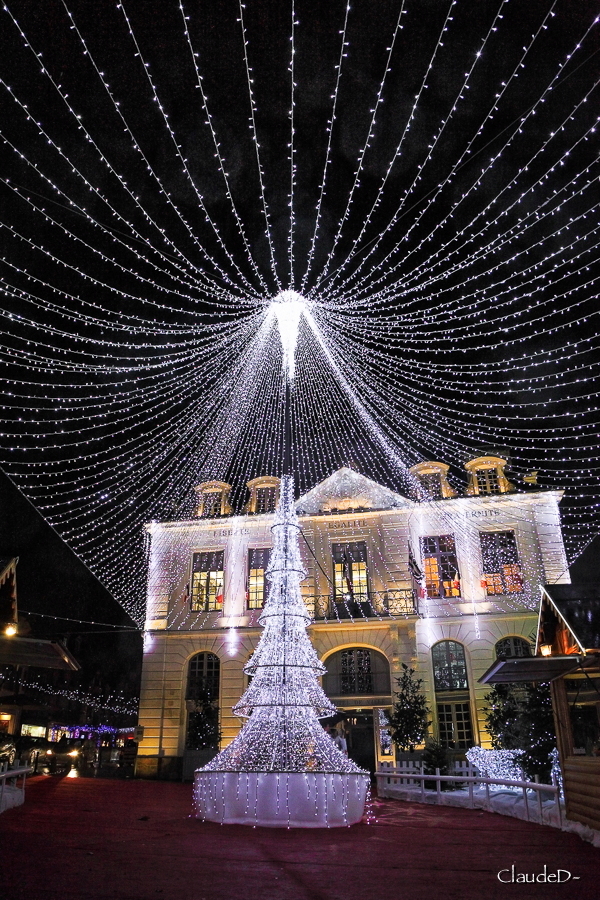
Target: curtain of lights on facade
{"x":422,"y":176}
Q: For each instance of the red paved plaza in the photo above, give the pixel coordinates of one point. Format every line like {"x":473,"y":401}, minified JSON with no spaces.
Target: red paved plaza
{"x":87,"y":839}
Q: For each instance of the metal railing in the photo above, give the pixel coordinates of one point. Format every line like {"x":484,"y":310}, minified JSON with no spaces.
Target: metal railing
{"x":375,"y":604}
{"x":13,"y":775}
{"x":402,"y":776}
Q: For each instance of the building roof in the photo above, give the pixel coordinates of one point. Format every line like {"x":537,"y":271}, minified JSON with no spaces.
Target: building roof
{"x":532,"y":668}
{"x":348,"y":490}
{"x":579,"y":606}
{"x":7,"y":565}
{"x":20,"y":651}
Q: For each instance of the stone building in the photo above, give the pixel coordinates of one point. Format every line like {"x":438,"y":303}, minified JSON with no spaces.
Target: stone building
{"x":444,"y":585}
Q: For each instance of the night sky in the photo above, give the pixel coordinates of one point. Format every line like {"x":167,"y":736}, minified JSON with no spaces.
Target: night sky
{"x":436,"y":200}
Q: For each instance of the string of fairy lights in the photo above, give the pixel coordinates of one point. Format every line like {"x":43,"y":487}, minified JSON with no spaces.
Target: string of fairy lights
{"x":426,"y":179}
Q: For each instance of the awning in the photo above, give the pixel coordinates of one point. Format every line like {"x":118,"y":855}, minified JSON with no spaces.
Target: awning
{"x":534,"y":668}
{"x":18,"y":651}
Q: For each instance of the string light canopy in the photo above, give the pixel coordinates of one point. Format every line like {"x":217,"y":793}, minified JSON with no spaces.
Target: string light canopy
{"x":411,"y":195}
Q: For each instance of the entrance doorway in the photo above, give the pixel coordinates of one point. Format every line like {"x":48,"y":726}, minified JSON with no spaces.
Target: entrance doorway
{"x":360,"y":738}
{"x":357,"y":727}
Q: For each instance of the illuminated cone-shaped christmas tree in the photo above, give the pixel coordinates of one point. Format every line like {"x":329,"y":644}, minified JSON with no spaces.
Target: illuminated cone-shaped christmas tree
{"x":283,"y":768}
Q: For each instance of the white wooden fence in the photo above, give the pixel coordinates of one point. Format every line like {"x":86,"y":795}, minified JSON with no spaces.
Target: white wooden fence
{"x":411,"y":774}
{"x":12,"y":775}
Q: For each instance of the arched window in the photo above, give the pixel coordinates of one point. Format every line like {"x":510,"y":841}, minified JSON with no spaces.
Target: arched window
{"x":203,"y":678}
{"x":453,"y":713}
{"x":449,"y":666}
{"x":510,"y":647}
{"x":202,"y":698}
{"x":357,"y":671}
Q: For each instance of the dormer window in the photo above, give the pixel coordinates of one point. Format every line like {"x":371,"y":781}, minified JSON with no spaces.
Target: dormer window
{"x":213,"y":499}
{"x":486,"y":476}
{"x":211,"y":505}
{"x":487,"y":481}
{"x":266,"y":499}
{"x":433,"y":479}
{"x":432,"y":483}
{"x":264,"y":495}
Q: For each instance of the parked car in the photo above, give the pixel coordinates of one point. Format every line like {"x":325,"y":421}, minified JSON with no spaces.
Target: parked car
{"x":8,"y":749}
{"x":54,"y":755}
{"x":30,"y":749}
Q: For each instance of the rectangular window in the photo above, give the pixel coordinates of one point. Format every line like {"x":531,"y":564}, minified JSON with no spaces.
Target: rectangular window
{"x":487,"y":481}
{"x":211,"y":504}
{"x":501,"y":568}
{"x":350,"y":576}
{"x":258,"y":561}
{"x":432,"y":483}
{"x":440,"y":566}
{"x":356,"y":675}
{"x":454,"y":725}
{"x":207,"y":581}
{"x":266,"y":499}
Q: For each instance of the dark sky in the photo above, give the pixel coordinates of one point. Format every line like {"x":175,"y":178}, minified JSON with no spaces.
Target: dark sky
{"x":53,"y":581}
{"x":135,"y":250}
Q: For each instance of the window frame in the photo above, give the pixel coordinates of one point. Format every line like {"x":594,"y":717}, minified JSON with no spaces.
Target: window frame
{"x":269,"y":493}
{"x":347,"y":571}
{"x":207,"y":679}
{"x":212,"y":509}
{"x":266,"y":553}
{"x":437,"y":568}
{"x":507,"y":578}
{"x":213,"y":582}
{"x":454,"y":682}
{"x":431,"y":482}
{"x":514,"y":640}
{"x":455,"y":709}
{"x":353,"y":681}
{"x":488,"y":480}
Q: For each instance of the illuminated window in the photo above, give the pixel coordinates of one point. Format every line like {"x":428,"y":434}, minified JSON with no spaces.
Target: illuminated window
{"x":266,"y":499}
{"x":350,"y":572}
{"x":501,"y":569}
{"x":449,"y":666}
{"x":258,"y":561}
{"x":511,"y":647}
{"x":440,"y":566}
{"x":454,"y":725}
{"x":33,"y":731}
{"x":488,"y":481}
{"x":207,"y":581}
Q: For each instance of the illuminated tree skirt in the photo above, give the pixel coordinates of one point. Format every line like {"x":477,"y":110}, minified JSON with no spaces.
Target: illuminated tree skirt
{"x":281,"y":799}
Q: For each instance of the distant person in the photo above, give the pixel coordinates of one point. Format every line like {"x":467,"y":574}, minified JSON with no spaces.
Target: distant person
{"x":127,"y":757}
{"x":340,"y":742}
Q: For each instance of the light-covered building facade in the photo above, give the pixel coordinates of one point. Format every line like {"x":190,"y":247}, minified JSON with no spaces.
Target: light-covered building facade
{"x":444,"y":586}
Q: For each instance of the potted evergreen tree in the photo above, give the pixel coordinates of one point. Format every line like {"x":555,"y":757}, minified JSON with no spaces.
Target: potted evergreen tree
{"x":409,"y":717}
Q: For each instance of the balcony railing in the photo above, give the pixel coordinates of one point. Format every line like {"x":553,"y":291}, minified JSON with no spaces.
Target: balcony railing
{"x":375,"y":604}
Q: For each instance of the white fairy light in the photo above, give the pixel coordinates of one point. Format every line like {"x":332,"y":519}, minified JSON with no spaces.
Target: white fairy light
{"x":283,"y":738}
{"x":142,"y":351}
{"x":288,"y":307}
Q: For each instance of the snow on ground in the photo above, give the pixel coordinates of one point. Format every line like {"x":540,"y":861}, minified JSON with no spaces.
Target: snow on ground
{"x":504,"y":802}
{"x":11,"y":796}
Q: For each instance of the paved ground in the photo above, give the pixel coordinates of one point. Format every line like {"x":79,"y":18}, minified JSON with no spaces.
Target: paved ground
{"x":97,"y":839}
